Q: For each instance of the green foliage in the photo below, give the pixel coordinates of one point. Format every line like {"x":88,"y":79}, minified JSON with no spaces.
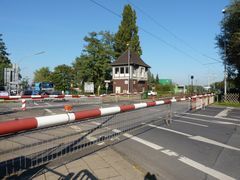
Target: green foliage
{"x":229,"y":40}
{"x":62,"y":77}
{"x":151,"y":80}
{"x":42,"y":74}
{"x":164,"y":88}
{"x":195,"y":89}
{"x":4,"y":60}
{"x":24,"y":84}
{"x":157,"y":79}
{"x":94,"y":63}
{"x":127,"y":33}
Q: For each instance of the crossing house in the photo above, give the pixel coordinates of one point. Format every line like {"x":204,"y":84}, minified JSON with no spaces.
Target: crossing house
{"x":136,"y":80}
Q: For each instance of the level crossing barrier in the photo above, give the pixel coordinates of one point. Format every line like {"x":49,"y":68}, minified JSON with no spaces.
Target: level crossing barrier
{"x":30,"y":142}
{"x":201,"y":101}
{"x":29,"y":103}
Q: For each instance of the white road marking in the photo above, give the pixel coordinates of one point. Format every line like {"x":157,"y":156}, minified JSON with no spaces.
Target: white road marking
{"x":210,"y":141}
{"x":76,"y":128}
{"x":202,"y":125}
{"x":224,"y":112}
{"x":183,"y":159}
{"x":170,"y":130}
{"x":90,"y":138}
{"x":47,"y":104}
{"x":169,"y":152}
{"x":225,"y":118}
{"x":49,"y":111}
{"x":147,"y":143}
{"x":205,"y":169}
{"x":209,"y":121}
{"x":236,"y":117}
{"x":197,"y":138}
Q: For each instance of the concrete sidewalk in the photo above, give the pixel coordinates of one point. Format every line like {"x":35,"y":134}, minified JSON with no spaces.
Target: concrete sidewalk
{"x":104,"y":164}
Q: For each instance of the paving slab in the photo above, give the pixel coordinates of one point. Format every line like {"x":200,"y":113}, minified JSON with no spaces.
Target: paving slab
{"x":105,"y":164}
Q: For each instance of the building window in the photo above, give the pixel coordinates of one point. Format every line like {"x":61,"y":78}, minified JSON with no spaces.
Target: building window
{"x":122,"y":70}
{"x":134,"y":71}
{"x":116,"y":70}
{"x":126,"y":70}
{"x":142,"y":72}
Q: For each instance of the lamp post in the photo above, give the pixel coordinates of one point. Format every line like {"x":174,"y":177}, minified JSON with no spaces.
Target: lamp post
{"x":35,"y":54}
{"x":225,"y":64}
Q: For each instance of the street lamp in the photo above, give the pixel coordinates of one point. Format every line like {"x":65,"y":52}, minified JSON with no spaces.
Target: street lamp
{"x":225,"y":64}
{"x":18,"y":63}
{"x":35,"y":54}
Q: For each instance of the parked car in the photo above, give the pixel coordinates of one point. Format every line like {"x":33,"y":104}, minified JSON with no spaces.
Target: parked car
{"x":26,"y":92}
{"x":3,"y":93}
{"x":152,"y":93}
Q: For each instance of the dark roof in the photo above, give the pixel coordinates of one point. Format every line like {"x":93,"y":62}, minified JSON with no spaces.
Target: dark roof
{"x":134,"y":59}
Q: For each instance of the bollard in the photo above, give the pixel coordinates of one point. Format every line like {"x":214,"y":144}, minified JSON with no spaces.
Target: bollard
{"x":23,"y":104}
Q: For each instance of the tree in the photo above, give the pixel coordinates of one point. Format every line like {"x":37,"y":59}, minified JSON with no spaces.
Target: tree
{"x":4,"y":60}
{"x":24,"y":84}
{"x":62,"y":77}
{"x":228,"y":40}
{"x":157,"y":79}
{"x":93,"y":65}
{"x":42,"y":74}
{"x":127,"y":33}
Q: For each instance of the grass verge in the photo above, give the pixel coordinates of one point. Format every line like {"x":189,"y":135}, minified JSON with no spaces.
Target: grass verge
{"x":230,"y":104}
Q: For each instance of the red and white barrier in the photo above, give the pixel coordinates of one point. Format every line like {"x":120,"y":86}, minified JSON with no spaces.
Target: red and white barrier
{"x":57,"y":96}
{"x":24,"y":124}
{"x":200,"y":101}
{"x":35,"y":97}
{"x":17,"y":125}
{"x":23,"y":104}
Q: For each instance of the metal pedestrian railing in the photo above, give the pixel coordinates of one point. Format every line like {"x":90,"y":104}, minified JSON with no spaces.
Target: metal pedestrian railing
{"x":27,"y":149}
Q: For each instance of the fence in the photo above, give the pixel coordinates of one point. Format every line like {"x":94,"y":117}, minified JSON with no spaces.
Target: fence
{"x":201,"y":101}
{"x":232,"y":98}
{"x":33,"y":146}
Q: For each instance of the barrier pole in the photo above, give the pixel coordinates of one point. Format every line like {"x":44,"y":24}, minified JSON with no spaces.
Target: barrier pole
{"x":23,"y":104}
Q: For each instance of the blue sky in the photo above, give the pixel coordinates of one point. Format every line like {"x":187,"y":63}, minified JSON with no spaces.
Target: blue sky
{"x":59,"y":26}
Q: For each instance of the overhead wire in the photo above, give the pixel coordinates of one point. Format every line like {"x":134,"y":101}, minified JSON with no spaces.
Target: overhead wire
{"x":170,"y":32}
{"x":149,"y":33}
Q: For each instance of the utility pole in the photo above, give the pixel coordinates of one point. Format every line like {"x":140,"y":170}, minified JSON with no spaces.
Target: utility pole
{"x":225,"y":71}
{"x":129,"y":68}
{"x":225,"y":63}
{"x":192,"y":77}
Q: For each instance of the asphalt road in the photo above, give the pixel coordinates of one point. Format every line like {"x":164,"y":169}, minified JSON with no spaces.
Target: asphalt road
{"x":200,"y":145}
{"x":12,"y":110}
